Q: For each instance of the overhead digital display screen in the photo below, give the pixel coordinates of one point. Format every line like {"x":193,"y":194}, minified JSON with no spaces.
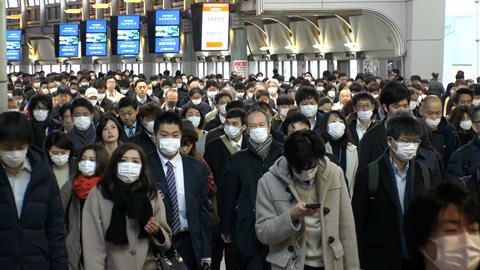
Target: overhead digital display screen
{"x":66,"y":40}
{"x":126,"y":35}
{"x":13,"y":43}
{"x":95,"y":38}
{"x":215,"y":26}
{"x":164,"y":31}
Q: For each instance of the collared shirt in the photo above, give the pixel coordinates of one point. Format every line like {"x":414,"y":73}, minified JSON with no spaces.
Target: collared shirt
{"x":179,"y":179}
{"x":360,"y":130}
{"x":115,"y":96}
{"x":237,"y":145}
{"x":142,"y":101}
{"x":400,"y":181}
{"x":130,"y":131}
{"x":312,"y":125}
{"x":19,"y":183}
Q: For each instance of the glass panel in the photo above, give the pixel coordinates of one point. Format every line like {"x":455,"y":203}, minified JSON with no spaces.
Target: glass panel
{"x":262,"y":67}
{"x":314,"y":68}
{"x":200,"y":69}
{"x":169,"y":68}
{"x":269,"y":72}
{"x":294,"y":68}
{"x":323,"y":67}
{"x":226,"y":70}
{"x":353,"y":68}
{"x":287,"y":71}
{"x":75,"y":68}
{"x":56,"y":68}
{"x":12,"y":4}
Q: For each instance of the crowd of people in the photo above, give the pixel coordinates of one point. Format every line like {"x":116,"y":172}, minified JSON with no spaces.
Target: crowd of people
{"x":117,"y":171}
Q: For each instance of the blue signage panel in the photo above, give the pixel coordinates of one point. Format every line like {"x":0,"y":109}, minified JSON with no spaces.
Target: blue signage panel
{"x":128,"y":47}
{"x":68,"y":50}
{"x":68,"y":30}
{"x":167,"y":45}
{"x":13,"y":43}
{"x":13,"y":55}
{"x":96,"y":49}
{"x":96,"y":26}
{"x":14,"y":35}
{"x":96,"y":38}
{"x":129,"y":22}
{"x":167,"y":17}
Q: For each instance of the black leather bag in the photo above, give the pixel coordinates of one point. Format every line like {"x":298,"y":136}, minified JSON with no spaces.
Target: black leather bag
{"x":169,"y":260}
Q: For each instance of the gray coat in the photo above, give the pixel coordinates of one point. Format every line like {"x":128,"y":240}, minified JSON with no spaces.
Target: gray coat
{"x":276,"y":195}
{"x":73,"y":218}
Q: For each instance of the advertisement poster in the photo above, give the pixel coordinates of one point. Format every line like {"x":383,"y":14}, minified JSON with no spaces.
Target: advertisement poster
{"x":128,"y":35}
{"x":13,"y":42}
{"x":215,"y":26}
{"x":241,"y":67}
{"x":167,"y":31}
{"x":68,"y":40}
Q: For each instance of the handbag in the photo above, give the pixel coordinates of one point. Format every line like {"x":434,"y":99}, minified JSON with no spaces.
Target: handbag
{"x":168,"y":260}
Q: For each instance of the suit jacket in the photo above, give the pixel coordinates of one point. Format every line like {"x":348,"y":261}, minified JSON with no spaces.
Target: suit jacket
{"x":379,"y":221}
{"x":143,"y":140}
{"x":372,"y":145}
{"x":107,"y":105}
{"x":138,"y":127}
{"x":196,"y":195}
{"x":243,"y":171}
{"x":352,"y":125}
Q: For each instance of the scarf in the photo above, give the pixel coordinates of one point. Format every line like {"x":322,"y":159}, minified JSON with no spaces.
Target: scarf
{"x":82,"y":186}
{"x":131,"y":203}
{"x":83,"y":138}
{"x":260,"y":149}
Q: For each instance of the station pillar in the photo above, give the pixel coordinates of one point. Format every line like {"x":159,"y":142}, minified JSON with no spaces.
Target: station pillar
{"x":189,"y":59}
{"x":238,"y":47}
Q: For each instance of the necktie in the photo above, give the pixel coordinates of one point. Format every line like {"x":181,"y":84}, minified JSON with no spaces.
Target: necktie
{"x":172,"y":189}
{"x":130,"y":131}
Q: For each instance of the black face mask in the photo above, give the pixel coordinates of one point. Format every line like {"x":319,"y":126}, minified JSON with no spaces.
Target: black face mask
{"x":172,"y":104}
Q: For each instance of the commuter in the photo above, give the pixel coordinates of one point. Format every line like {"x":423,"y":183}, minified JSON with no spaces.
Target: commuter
{"x":64,"y":96}
{"x":272,"y":88}
{"x":315,"y":218}
{"x":171,"y":101}
{"x":444,"y":136}
{"x":32,"y":217}
{"x":394,"y":99}
{"x":109,"y":133}
{"x":324,"y":105}
{"x":344,"y":96}
{"x":91,"y":164}
{"x":394,"y":177}
{"x":66,"y":118}
{"x":110,"y":240}
{"x":184,"y":183}
{"x":217,"y":154}
{"x":141,"y":94}
{"x":211,"y":89}
{"x":295,"y":121}
{"x":40,"y":109}
{"x":19,"y":97}
{"x":103,"y":102}
{"x":195,"y":115}
{"x":364,"y":118}
{"x":111,"y":92}
{"x":83,"y":131}
{"x":442,"y":229}
{"x":12,"y":105}
{"x":128,"y":114}
{"x":195,"y":96}
{"x":307,"y":100}
{"x":243,"y":171}
{"x":463,"y":96}
{"x":284,"y":104}
{"x":145,"y":138}
{"x":461,"y":120}
{"x":436,"y":88}
{"x":217,"y":116}
{"x":465,"y":160}
{"x":374,"y":89}
{"x":60,"y":149}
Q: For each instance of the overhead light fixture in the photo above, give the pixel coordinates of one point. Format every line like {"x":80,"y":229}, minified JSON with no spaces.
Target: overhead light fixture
{"x":289,"y":47}
{"x":101,"y":5}
{"x":265,"y":48}
{"x":14,"y":17}
{"x":73,"y":11}
{"x":132,"y":1}
{"x":319,"y":46}
{"x":353,"y":46}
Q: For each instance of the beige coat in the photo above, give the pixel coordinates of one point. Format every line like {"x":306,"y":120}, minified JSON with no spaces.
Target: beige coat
{"x":99,"y":254}
{"x":352,"y":164}
{"x":276,"y":195}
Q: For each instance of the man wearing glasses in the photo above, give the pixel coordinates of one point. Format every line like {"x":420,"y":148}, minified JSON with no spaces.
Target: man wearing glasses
{"x":365,"y":112}
{"x":383,"y":191}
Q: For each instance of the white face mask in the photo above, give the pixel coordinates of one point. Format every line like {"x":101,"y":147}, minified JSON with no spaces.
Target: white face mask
{"x":87,"y":167}
{"x":259,"y":135}
{"x":336,"y":130}
{"x":249,"y":95}
{"x":466,"y":124}
{"x":13,"y":159}
{"x":320,"y":88}
{"x":101,"y":96}
{"x":306,"y":175}
{"x":231,"y":131}
{"x":309,"y":110}
{"x":223,"y":108}
{"x":406,"y":151}
{"x":124,"y":91}
{"x":375,"y":96}
{"x":432,"y":123}
{"x":84,"y":84}
{"x":240,"y":94}
{"x":195,"y":120}
{"x":284,"y":111}
{"x":36,"y":85}
{"x":212,"y":94}
{"x":413,"y":105}
{"x":149,"y":92}
{"x":272,"y":90}
{"x":196,"y":101}
{"x":60,"y":160}
{"x":82,"y":122}
{"x":128,"y":172}
{"x":179,"y":85}
{"x":93,"y":101}
{"x":40,"y":115}
{"x":154,"y":83}
{"x":168,"y":146}
{"x":461,"y":251}
{"x":475,"y":102}
{"x":149,"y":127}
{"x":73,"y":91}
{"x":331,"y":94}
{"x":364,"y":115}
{"x":53,"y":90}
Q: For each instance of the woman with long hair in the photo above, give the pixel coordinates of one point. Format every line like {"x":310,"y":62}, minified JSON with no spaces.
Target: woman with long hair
{"x":108,"y":132}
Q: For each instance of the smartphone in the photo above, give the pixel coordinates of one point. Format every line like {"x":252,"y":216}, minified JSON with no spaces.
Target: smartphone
{"x":312,"y":205}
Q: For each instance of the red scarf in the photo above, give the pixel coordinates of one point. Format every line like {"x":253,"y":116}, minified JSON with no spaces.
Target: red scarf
{"x":82,"y":185}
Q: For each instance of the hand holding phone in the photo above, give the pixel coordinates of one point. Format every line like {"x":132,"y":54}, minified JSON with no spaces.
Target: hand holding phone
{"x":312,"y":205}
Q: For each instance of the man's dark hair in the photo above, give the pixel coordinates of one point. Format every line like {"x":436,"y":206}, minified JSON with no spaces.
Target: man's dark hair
{"x":222,"y":94}
{"x":43,"y":99}
{"x":139,"y":81}
{"x":81,"y":102}
{"x":150,"y":109}
{"x":99,"y":84}
{"x":403,"y":124}
{"x":15,"y":129}
{"x":236,"y":104}
{"x":394,"y":92}
{"x":303,"y":149}
{"x":355,"y":87}
{"x":194,"y":91}
{"x":211,"y":83}
{"x":60,"y":140}
{"x":167,"y":118}
{"x":127,"y":102}
{"x":462,"y":91}
{"x":236,"y":113}
{"x":292,"y":118}
{"x":363,"y":96}
{"x":285,"y":99}
{"x":306,"y":92}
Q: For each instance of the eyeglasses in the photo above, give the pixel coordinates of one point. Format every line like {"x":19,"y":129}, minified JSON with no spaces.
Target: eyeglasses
{"x":408,"y":141}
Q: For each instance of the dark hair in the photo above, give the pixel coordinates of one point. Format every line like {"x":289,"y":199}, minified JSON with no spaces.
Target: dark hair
{"x":306,"y":92}
{"x":210,"y":83}
{"x":255,"y":109}
{"x":101,"y":158}
{"x":293,"y":118}
{"x":37,"y":98}
{"x":167,"y":118}
{"x":150,"y":109}
{"x":403,"y":123}
{"x":355,"y":87}
{"x":456,"y":115}
{"x":60,"y":140}
{"x":462,"y":91}
{"x":475,"y":111}
{"x":236,"y":113}
{"x":140,"y":80}
{"x":15,"y":128}
{"x":195,"y":107}
{"x":81,"y":102}
{"x":422,"y":215}
{"x":303,"y":149}
{"x":363,"y":96}
{"x":99,"y":84}
{"x":394,"y":92}
{"x":194,"y":91}
{"x":261,"y":93}
{"x":323,"y":127}
{"x":127,"y":102}
{"x":222,"y":94}
{"x":373,"y":86}
{"x":285,"y":99}
{"x":109,"y":178}
{"x":64,"y":109}
{"x":103,"y":122}
{"x":236,"y":104}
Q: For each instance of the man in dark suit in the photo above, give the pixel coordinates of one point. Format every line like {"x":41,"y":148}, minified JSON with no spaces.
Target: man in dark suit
{"x":145,"y":138}
{"x":363,"y":119}
{"x":383,"y":191}
{"x":243,"y":171}
{"x":216,"y":154}
{"x":106,"y":104}
{"x":184,"y":183}
{"x":307,"y":99}
{"x":127,"y":114}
